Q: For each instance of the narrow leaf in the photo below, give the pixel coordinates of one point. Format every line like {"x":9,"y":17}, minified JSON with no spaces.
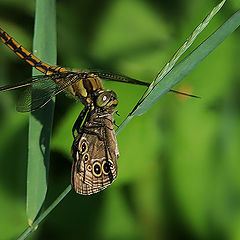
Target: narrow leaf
{"x":40,"y":122}
{"x":168,"y":67}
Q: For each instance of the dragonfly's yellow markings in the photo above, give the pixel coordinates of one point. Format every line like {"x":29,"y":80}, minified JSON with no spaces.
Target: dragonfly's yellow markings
{"x":27,"y":56}
{"x":58,"y":69}
{"x":82,"y":89}
{"x":20,"y":51}
{"x":92,"y":83}
{"x":71,"y":90}
{"x":45,"y":65}
{"x":89,"y":100}
{"x":32,"y":60}
{"x":42,"y":67}
{"x":12,"y":44}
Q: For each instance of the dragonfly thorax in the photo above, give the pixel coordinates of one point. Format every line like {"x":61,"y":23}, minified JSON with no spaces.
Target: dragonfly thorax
{"x":84,"y":86}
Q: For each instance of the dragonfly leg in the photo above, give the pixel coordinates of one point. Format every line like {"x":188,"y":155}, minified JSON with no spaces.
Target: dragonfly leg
{"x":78,"y":122}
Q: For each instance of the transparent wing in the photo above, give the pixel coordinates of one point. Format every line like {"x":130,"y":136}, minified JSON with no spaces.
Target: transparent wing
{"x":122,"y":78}
{"x":118,"y":78}
{"x":39,"y":90}
{"x":37,"y":95}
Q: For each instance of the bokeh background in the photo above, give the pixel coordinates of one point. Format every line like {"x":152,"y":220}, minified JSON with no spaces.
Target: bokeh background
{"x":179,"y":169}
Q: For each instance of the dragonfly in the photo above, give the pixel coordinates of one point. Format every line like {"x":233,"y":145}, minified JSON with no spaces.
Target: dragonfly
{"x":84,"y":85}
{"x":94,"y":149}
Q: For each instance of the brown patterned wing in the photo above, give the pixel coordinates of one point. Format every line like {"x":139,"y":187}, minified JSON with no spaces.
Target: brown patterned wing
{"x":95,"y":154}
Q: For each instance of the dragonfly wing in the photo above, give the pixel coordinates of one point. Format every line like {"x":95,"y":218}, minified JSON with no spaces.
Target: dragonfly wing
{"x":37,"y":95}
{"x":118,"y":78}
{"x":24,"y":84}
{"x":44,"y":90}
{"x":122,"y":78}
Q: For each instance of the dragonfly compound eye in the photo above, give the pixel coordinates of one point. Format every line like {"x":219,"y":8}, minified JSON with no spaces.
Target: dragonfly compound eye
{"x":103,"y":99}
{"x":107,"y":99}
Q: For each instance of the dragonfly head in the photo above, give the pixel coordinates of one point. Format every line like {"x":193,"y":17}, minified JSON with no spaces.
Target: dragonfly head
{"x":106,"y":100}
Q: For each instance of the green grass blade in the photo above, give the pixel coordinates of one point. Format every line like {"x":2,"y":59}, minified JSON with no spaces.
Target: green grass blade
{"x":31,"y":228}
{"x":40,"y":123}
{"x":168,"y":67}
{"x":182,"y":69}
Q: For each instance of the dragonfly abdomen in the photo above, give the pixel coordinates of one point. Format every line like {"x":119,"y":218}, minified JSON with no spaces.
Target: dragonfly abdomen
{"x":27,"y":56}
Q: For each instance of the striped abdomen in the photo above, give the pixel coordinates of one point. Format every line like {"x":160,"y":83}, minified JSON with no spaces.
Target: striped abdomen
{"x":27,"y":56}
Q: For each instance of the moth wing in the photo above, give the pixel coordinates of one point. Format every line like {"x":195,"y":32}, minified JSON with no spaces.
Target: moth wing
{"x":95,"y":161}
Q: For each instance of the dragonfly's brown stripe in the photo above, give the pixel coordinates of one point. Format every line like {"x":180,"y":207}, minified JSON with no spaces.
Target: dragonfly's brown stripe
{"x":92,"y":84}
{"x":27,"y":56}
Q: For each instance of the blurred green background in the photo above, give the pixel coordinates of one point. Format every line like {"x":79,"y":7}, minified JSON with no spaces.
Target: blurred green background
{"x":179,"y":169}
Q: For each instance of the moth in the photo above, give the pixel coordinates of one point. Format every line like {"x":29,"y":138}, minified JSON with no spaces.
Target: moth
{"x":95,"y":150}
